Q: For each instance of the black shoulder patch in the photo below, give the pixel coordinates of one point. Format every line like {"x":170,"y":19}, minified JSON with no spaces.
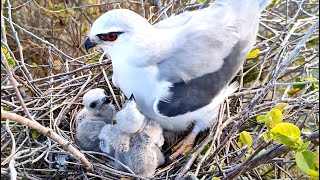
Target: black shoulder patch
{"x":199,"y":92}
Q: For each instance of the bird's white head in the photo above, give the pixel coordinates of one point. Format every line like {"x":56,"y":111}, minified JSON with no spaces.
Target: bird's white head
{"x":96,"y":100}
{"x":114,"y":30}
{"x":129,"y":119}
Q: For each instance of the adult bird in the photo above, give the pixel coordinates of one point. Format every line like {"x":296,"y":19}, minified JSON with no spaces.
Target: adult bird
{"x":179,"y":69}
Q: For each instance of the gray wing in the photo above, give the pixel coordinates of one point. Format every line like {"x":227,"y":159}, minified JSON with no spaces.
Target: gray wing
{"x":203,"y":39}
{"x":201,"y":42}
{"x":87,"y":134}
{"x":207,"y":54}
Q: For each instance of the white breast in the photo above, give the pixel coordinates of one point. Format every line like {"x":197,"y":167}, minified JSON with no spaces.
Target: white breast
{"x":140,"y":81}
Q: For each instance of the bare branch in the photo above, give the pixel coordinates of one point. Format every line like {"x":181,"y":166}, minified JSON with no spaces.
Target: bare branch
{"x":49,"y":133}
{"x":15,"y":85}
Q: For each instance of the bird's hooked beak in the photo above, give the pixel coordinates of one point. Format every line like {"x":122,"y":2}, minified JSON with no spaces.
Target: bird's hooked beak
{"x":89,"y":44}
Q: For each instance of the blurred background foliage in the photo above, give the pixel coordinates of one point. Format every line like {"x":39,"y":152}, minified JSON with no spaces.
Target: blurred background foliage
{"x":63,"y":23}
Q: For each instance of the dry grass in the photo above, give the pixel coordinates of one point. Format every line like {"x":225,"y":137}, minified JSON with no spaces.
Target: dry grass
{"x":52,"y":73}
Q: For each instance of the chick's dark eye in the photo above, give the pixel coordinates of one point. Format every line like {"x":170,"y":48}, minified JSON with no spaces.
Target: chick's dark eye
{"x":92,"y":105}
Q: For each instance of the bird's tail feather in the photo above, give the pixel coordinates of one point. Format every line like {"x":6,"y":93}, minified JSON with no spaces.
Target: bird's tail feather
{"x":232,"y":88}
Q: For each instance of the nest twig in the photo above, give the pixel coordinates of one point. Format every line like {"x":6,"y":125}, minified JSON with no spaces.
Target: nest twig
{"x":45,"y":73}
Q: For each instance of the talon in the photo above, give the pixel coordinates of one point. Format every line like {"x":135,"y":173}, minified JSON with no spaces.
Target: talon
{"x":188,"y":149}
{"x":183,"y":146}
{"x":176,"y":147}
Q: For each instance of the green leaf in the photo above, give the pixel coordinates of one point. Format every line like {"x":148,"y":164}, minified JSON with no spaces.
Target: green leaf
{"x":275,"y":2}
{"x":91,"y":61}
{"x":281,"y":106}
{"x":5,"y":108}
{"x":34,"y":134}
{"x":304,"y":146}
{"x":245,"y":138}
{"x":316,"y":159}
{"x":312,"y":172}
{"x":261,"y":118}
{"x":213,"y":167}
{"x":34,"y":65}
{"x":11,"y":62}
{"x":273,"y":118}
{"x":8,"y":57}
{"x":57,"y":64}
{"x":215,"y":178}
{"x":4,"y":50}
{"x":60,"y":6}
{"x":287,"y":134}
{"x":293,"y":91}
{"x":50,"y":6}
{"x":276,"y":115}
{"x":268,"y":120}
{"x":315,"y":85}
{"x":305,"y":162}
{"x":205,"y":149}
{"x":266,"y":136}
{"x":298,"y":86}
{"x":247,"y":155}
{"x":253,"y":54}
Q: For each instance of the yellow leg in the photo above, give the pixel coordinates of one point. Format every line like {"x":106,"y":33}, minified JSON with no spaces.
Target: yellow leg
{"x":184,"y":146}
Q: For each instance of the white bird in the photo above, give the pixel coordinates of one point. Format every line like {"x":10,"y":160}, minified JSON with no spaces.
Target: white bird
{"x":98,"y":111}
{"x":179,"y":69}
{"x":135,"y":141}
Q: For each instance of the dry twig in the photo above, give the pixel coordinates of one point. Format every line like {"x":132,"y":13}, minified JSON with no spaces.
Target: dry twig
{"x":51,"y":134}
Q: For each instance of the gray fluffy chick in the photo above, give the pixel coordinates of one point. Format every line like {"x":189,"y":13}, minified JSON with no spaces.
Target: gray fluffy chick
{"x":135,"y":140}
{"x":98,"y":111}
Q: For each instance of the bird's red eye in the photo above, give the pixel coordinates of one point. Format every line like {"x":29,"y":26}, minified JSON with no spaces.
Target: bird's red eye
{"x":111,"y":36}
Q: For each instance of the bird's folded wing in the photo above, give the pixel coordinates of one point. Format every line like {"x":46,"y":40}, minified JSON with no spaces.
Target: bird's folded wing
{"x":202,"y":60}
{"x":205,"y":54}
{"x":201,"y":41}
{"x":199,"y":69}
{"x":198,"y":53}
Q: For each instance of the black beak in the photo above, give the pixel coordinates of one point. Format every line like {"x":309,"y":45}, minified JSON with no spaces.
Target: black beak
{"x":132,"y":98}
{"x":106,"y":100}
{"x":89,"y":44}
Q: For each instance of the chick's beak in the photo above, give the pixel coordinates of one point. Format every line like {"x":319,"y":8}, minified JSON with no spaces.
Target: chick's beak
{"x":89,"y":44}
{"x":106,"y":100}
{"x":114,"y":121}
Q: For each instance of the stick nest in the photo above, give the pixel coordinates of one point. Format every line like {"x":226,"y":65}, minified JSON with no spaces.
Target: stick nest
{"x":41,"y":42}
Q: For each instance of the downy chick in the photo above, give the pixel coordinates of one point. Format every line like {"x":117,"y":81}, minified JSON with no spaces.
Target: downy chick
{"x":97,"y":112}
{"x":135,"y":140}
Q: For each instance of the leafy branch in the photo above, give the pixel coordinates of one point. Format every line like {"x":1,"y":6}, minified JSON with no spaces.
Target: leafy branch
{"x":286,"y":134}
